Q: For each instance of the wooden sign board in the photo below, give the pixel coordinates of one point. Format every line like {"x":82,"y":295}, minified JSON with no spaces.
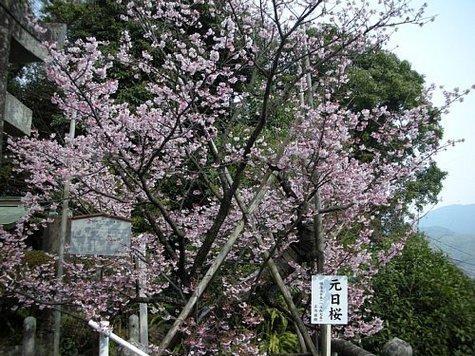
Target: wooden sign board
{"x":99,"y":235}
{"x":329,"y":300}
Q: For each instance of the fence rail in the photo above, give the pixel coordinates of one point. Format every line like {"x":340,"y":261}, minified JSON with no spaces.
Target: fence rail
{"x":106,"y":334}
{"x":31,"y":347}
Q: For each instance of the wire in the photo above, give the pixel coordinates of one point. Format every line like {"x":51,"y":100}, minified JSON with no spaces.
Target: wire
{"x":449,"y":245}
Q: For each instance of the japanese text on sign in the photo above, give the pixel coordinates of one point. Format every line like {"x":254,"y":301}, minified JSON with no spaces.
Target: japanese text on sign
{"x":329,"y":300}
{"x":99,"y":235}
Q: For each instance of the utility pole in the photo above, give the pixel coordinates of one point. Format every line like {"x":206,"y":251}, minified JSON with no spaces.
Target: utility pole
{"x":62,"y":239}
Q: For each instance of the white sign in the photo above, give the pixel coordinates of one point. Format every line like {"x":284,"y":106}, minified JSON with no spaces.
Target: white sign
{"x":329,"y":300}
{"x":99,"y":235}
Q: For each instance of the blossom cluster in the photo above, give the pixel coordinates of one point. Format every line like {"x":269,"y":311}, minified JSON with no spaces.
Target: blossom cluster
{"x":187,"y":160}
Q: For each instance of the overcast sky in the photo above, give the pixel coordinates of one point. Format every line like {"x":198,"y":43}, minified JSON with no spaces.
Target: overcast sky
{"x":444,"y":52}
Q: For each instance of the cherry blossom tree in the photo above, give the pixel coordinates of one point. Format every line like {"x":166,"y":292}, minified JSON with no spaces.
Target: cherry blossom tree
{"x":240,"y":167}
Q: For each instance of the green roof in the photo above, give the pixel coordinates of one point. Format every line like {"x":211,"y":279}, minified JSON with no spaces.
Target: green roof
{"x":11,"y":214}
{"x":10,"y":210}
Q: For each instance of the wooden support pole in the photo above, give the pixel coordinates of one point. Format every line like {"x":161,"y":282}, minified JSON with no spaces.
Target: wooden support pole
{"x":288,"y":299}
{"x":62,"y":240}
{"x":272,"y":266}
{"x":319,"y":243}
{"x":215,"y":265}
{"x":303,"y":345}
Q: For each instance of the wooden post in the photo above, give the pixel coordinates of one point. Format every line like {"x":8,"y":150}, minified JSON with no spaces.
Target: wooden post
{"x":143,"y":311}
{"x":104,"y":340}
{"x":62,"y":239}
{"x":319,"y":243}
{"x":29,"y":336}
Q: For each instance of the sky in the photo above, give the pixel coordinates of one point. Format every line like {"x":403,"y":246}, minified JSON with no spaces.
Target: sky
{"x":444,"y":52}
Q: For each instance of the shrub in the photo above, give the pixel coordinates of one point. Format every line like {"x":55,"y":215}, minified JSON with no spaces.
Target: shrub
{"x":425,"y":300}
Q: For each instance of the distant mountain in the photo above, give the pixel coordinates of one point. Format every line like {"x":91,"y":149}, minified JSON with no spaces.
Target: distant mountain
{"x":451,"y":229}
{"x":458,"y":218}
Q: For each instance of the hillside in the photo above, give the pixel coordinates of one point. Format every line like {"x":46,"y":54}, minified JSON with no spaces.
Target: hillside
{"x":457,"y":218}
{"x":452,"y":230}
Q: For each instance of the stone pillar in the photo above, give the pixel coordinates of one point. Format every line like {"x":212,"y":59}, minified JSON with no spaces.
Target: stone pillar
{"x":104,"y":341}
{"x":5,"y":40}
{"x":134,"y":334}
{"x":133,"y":329}
{"x":397,"y":347}
{"x":29,"y":336}
{"x":143,"y":307}
{"x":51,"y":235}
{"x":21,"y":44}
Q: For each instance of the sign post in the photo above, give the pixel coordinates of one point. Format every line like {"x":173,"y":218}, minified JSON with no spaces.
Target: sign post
{"x":110,"y":236}
{"x":329,"y":303}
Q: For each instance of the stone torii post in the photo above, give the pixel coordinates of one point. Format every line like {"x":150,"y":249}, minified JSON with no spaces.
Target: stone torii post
{"x":19,"y":44}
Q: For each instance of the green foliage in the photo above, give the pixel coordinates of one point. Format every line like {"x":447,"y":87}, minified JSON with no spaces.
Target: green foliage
{"x":276,"y":335}
{"x":76,"y":337}
{"x":380,"y":78}
{"x":424,"y":189}
{"x":101,"y":19}
{"x":88,"y":18}
{"x":36,"y":258}
{"x":425,"y":300}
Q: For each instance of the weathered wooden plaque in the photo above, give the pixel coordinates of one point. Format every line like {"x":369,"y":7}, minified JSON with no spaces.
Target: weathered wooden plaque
{"x":99,"y":235}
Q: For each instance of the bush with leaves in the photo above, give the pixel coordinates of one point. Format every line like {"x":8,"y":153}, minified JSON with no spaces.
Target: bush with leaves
{"x":425,"y":300}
